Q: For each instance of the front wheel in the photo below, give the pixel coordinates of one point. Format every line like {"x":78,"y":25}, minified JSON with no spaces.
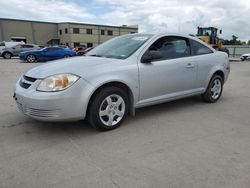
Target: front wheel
{"x":7,"y":55}
{"x":108,"y":108}
{"x":214,"y":89}
{"x":31,"y":58}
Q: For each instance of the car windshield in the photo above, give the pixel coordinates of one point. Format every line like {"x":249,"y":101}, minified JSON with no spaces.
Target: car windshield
{"x":120,"y":47}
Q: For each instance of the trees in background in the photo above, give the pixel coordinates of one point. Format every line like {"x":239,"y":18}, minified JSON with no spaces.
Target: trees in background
{"x":235,"y":41}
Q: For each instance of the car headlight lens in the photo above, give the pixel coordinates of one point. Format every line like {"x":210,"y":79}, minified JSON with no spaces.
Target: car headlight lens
{"x":57,"y":82}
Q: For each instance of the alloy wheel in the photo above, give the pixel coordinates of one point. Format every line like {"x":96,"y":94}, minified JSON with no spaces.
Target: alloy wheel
{"x":31,"y":58}
{"x":216,"y":89}
{"x":112,"y":110}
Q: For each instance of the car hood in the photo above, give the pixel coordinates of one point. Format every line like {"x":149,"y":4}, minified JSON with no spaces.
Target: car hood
{"x":76,"y":65}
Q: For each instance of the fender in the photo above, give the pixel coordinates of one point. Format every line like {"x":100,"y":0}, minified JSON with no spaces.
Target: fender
{"x":212,"y":72}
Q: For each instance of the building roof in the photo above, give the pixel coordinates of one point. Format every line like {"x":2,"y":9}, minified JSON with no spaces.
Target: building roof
{"x":34,"y":21}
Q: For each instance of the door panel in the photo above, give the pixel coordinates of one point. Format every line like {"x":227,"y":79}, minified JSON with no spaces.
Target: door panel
{"x":166,"y":77}
{"x":171,"y":69}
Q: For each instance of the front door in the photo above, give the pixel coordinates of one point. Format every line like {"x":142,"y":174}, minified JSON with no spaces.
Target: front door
{"x":173,"y":73}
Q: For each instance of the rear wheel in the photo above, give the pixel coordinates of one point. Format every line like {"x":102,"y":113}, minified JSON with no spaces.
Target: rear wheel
{"x":243,"y":58}
{"x":108,"y":108}
{"x":31,"y":58}
{"x":7,"y":55}
{"x":214,"y":89}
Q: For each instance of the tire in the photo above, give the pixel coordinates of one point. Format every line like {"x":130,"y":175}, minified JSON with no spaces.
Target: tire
{"x":244,"y":58}
{"x":31,"y":58}
{"x":7,"y":55}
{"x":214,"y":89}
{"x":104,"y":113}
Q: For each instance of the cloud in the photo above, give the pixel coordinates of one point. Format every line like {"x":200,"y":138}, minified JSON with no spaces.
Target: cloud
{"x":152,"y":16}
{"x":181,"y":15}
{"x":45,"y":10}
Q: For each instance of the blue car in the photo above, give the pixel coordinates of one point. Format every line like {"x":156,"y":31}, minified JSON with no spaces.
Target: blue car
{"x":46,"y":54}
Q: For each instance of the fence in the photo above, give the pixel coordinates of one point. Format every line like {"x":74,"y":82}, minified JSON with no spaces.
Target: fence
{"x":238,"y":50}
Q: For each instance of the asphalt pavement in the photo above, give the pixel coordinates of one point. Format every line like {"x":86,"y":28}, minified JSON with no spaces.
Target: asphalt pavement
{"x":181,"y":144}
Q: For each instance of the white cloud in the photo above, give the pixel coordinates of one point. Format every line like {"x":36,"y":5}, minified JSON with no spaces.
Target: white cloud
{"x":151,"y":15}
{"x":182,"y":15}
{"x":45,"y":10}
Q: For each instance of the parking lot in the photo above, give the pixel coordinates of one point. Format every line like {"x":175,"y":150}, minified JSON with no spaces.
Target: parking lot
{"x":181,"y":144}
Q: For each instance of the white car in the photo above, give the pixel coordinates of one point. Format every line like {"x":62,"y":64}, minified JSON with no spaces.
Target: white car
{"x":244,"y":57}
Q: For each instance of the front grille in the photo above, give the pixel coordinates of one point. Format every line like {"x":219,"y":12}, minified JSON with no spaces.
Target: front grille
{"x":26,"y":81}
{"x":29,"y":78}
{"x":24,"y":85}
{"x":41,"y":113}
{"x":20,"y":106}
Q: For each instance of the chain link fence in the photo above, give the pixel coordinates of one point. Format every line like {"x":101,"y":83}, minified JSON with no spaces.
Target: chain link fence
{"x":237,"y":50}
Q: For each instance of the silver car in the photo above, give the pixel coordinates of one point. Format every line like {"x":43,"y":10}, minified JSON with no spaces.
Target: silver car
{"x":9,"y":52}
{"x":122,"y":74}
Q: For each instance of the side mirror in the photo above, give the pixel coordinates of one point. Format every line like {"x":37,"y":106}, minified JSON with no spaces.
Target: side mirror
{"x":151,"y":55}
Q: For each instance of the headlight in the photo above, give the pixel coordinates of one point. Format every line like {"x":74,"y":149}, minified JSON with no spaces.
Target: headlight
{"x":57,"y":82}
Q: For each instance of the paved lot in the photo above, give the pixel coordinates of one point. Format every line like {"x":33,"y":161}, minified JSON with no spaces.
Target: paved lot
{"x":183,"y":144}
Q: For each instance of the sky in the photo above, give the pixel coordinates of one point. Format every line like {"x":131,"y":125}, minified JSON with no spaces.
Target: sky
{"x":152,"y":16}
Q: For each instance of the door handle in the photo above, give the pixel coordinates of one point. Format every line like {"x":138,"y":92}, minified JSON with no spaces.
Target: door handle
{"x":190,"y":65}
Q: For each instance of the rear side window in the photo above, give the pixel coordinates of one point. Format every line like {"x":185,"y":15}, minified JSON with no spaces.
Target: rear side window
{"x":199,"y":49}
{"x":53,"y":49}
{"x":27,"y":46}
{"x":2,"y":44}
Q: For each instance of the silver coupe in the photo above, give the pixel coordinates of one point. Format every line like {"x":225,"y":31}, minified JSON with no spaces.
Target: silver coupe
{"x":120,"y":75}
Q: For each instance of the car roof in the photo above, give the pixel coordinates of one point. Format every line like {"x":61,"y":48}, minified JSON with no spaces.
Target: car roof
{"x":185,"y":36}
{"x":158,"y":35}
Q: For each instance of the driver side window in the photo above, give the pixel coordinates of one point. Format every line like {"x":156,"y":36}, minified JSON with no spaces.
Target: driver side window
{"x":170,"y":47}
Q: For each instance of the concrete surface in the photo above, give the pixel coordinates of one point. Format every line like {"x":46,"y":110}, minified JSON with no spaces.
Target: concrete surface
{"x":182,"y":144}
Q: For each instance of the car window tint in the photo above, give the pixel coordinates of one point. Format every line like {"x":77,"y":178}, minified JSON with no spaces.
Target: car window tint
{"x":171,"y":47}
{"x":53,"y":49}
{"x":199,"y":49}
{"x":27,"y":46}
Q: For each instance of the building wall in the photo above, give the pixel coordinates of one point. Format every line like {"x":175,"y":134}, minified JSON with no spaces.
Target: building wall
{"x":96,"y":38}
{"x":34,"y":32}
{"x":42,"y":32}
{"x":64,"y":37}
{"x":11,"y":28}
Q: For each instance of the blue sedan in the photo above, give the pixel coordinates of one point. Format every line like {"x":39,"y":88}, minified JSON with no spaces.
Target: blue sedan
{"x":46,"y":54}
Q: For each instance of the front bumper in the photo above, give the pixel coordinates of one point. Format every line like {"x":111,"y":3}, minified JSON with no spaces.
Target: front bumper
{"x":67,"y":105}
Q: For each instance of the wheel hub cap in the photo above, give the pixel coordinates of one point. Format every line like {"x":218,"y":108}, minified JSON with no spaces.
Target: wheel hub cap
{"x":112,"y":110}
{"x":216,"y":89}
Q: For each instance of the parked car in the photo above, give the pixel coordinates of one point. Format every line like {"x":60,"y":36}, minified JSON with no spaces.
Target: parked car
{"x":9,"y":44}
{"x":7,"y":53}
{"x":46,"y":54}
{"x":244,"y":57}
{"x":80,"y":47}
{"x":83,"y":52}
{"x":120,"y":75}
